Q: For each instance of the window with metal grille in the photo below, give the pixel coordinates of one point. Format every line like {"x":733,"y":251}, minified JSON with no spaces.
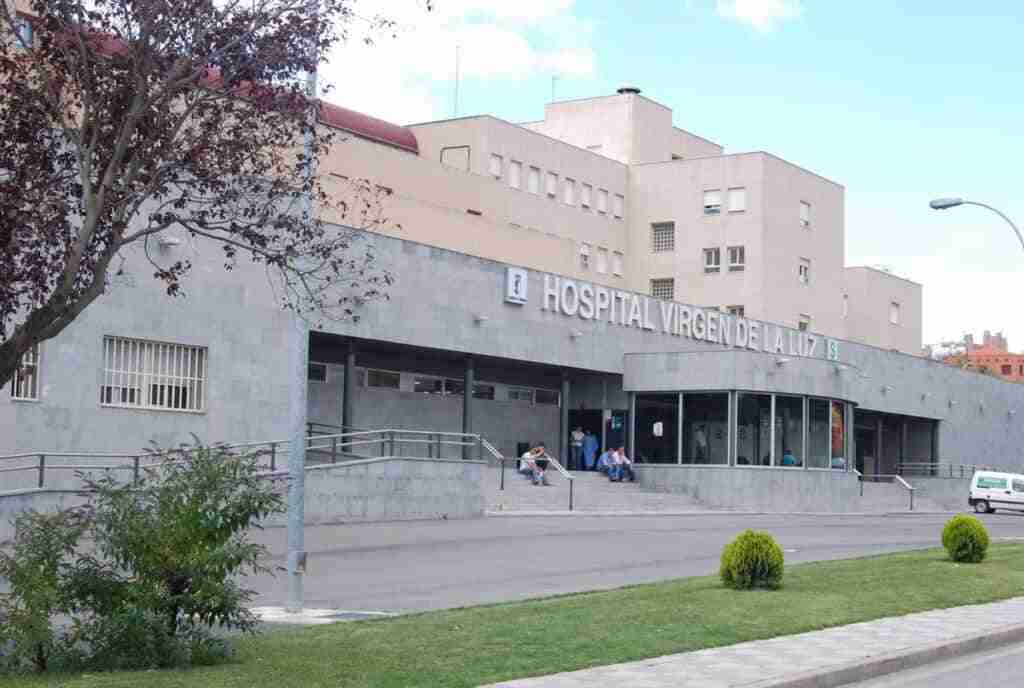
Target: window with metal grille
{"x":663,"y":237}
{"x":663,"y":288}
{"x":317,"y":372}
{"x":25,"y":383}
{"x":153,"y":375}
{"x":738,"y":311}
{"x":737,"y":258}
{"x":712,"y":260}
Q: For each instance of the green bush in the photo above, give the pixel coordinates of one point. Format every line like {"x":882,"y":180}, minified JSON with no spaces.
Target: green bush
{"x":752,"y":560}
{"x":965,"y":538}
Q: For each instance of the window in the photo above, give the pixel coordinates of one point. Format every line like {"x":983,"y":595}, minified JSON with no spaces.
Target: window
{"x":585,"y":195}
{"x":738,"y":311}
{"x":754,"y":430}
{"x":602,"y":201}
{"x":546,"y":397}
{"x":663,"y":237}
{"x":153,"y":375}
{"x":483,"y":391}
{"x":804,"y":271}
{"x":737,"y":200}
{"x":602,"y":260}
{"x":515,"y":174}
{"x":25,"y":383}
{"x":737,"y":258}
{"x":533,"y":181}
{"x":712,"y":202}
{"x":617,"y":263}
{"x":383,"y":379}
{"x":894,"y":313}
{"x":804,"y":322}
{"x":456,"y":157}
{"x":496,"y":165}
{"x":552,"y":185}
{"x":846,"y":305}
{"x":805,"y":214}
{"x":1018,"y":485}
{"x":569,"y":192}
{"x":618,"y":206}
{"x":455,"y":388}
{"x":428,"y":385}
{"x":663,"y":288}
{"x":584,"y":256}
{"x":520,"y":394}
{"x":712,"y":260}
{"x":985,"y":483}
{"x":1007,"y":370}
{"x":317,"y":372}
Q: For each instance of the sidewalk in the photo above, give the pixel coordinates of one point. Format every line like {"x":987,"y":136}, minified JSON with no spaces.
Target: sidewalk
{"x":819,"y":659}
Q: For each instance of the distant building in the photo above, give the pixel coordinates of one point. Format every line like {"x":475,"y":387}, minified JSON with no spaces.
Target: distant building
{"x":992,"y":356}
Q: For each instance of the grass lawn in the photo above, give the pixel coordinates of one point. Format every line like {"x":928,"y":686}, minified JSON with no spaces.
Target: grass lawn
{"x":471,"y":646}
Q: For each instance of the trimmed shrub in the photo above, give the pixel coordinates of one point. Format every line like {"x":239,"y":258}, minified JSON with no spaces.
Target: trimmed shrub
{"x":965,"y":538}
{"x":752,"y":560}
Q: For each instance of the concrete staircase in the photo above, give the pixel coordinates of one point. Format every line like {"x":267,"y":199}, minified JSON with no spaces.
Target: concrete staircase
{"x":592,"y":492}
{"x":893,"y":498}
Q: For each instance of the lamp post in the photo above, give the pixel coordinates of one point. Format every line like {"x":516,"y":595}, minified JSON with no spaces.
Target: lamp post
{"x":947,"y":203}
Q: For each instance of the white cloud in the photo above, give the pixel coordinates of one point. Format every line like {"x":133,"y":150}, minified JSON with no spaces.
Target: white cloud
{"x":763,"y":15}
{"x":409,"y":78}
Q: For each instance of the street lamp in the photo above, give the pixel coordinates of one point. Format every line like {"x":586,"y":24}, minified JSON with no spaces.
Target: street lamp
{"x":947,"y":203}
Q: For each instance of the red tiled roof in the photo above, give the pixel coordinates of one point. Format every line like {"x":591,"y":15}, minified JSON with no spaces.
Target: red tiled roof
{"x":368,"y":127}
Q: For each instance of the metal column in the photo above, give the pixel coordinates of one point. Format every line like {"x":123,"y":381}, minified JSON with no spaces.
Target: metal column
{"x":879,"y":457}
{"x":563,"y":426}
{"x":468,"y":381}
{"x":349,"y":394}
{"x":631,"y":428}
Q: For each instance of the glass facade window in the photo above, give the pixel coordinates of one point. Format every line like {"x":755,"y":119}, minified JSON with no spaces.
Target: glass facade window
{"x":706,"y":428}
{"x":657,"y":428}
{"x":818,"y":439}
{"x":838,"y":435}
{"x":754,"y":430}
{"x":789,"y":431}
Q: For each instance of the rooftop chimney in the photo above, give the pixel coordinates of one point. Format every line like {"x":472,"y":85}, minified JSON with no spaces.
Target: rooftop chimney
{"x":628,"y":91}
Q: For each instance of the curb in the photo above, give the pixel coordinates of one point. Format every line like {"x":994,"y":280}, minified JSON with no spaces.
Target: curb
{"x":883,"y":665}
{"x":527,"y":513}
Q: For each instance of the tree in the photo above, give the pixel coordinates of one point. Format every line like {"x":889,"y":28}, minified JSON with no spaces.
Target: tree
{"x":125,"y":119}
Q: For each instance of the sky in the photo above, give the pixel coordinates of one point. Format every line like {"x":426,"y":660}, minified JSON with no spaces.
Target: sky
{"x":899,"y":102}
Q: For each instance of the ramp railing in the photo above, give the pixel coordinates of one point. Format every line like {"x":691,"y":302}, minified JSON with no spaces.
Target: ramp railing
{"x":552,"y":462}
{"x":895,"y":479}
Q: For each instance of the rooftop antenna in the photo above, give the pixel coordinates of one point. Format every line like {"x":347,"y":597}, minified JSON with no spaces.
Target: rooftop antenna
{"x":455,"y":109}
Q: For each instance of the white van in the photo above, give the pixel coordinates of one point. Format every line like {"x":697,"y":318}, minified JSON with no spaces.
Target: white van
{"x":991,"y":491}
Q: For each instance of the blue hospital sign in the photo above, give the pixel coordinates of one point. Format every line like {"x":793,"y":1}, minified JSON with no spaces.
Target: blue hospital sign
{"x":515,"y":285}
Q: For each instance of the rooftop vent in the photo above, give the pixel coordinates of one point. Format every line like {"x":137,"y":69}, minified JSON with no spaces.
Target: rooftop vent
{"x":628,"y":91}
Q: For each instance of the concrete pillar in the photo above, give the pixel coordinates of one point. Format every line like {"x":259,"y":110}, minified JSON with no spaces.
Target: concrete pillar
{"x":935,"y":441}
{"x":565,"y":454}
{"x":878,"y":444}
{"x":904,"y":440}
{"x":349,"y":394}
{"x":298,"y":374}
{"x":468,"y":380}
{"x":631,"y":428}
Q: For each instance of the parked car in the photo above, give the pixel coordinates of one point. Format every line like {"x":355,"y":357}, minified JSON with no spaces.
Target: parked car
{"x":990,"y":491}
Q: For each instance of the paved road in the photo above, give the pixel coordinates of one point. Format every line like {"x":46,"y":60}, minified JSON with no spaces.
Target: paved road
{"x":438,"y":564}
{"x":1000,"y":668}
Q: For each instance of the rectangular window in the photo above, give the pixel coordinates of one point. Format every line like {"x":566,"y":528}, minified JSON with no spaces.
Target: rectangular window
{"x":663,"y":288}
{"x":663,"y":237}
{"x":602,"y":260}
{"x":984,"y":483}
{"x":803,"y":322}
{"x":428,"y":385}
{"x":618,"y":206}
{"x":546,"y":397}
{"x":738,"y":311}
{"x":754,"y":430}
{"x":737,"y":258}
{"x":153,"y":375}
{"x":1007,"y":370}
{"x":552,"y":185}
{"x":804,"y":271}
{"x":533,"y":181}
{"x":25,"y":383}
{"x":712,"y":260}
{"x":454,"y":388}
{"x":317,"y":372}
{"x":805,"y":214}
{"x":569,"y":192}
{"x":712,"y":202}
{"x":383,"y":379}
{"x":584,"y":256}
{"x":586,"y":195}
{"x":602,"y":201}
{"x":496,"y":165}
{"x":520,"y":394}
{"x":515,"y":174}
{"x":481,"y":391}
{"x":894,"y":313}
{"x":456,"y":157}
{"x":617,"y":263}
{"x":737,"y":200}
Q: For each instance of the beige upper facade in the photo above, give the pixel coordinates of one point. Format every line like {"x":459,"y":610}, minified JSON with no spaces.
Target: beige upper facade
{"x":608,"y":190}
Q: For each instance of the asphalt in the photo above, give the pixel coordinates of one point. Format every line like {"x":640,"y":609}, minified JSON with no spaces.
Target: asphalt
{"x":1001,"y":667}
{"x":414,"y":566}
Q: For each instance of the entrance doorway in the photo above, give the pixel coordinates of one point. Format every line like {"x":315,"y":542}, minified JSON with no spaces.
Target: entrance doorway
{"x":866,"y":451}
{"x":590,"y":421}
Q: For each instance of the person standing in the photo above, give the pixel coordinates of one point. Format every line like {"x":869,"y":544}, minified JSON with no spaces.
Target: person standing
{"x":590,"y":447}
{"x":576,"y":446}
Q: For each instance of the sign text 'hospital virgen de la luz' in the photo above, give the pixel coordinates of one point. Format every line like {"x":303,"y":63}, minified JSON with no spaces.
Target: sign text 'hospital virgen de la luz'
{"x":591,"y":302}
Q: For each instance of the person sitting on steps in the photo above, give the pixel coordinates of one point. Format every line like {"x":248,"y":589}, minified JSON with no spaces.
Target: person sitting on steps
{"x":530,"y":466}
{"x":622,"y":467}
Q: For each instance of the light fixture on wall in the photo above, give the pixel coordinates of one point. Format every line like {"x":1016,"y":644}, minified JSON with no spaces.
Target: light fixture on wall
{"x":953,"y":402}
{"x":480,"y":319}
{"x":887,"y":388}
{"x":1011,"y":413}
{"x":981,"y":407}
{"x":575,"y":334}
{"x":925,"y":395}
{"x":781,"y":361}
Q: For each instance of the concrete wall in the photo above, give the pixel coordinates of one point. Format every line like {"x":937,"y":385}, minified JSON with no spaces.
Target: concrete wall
{"x":14,"y":503}
{"x":871,"y":293}
{"x":757,"y":489}
{"x":950,"y":493}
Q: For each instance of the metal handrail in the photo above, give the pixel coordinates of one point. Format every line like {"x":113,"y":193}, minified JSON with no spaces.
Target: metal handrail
{"x":552,"y":461}
{"x":892,"y":478}
{"x":941,"y":470}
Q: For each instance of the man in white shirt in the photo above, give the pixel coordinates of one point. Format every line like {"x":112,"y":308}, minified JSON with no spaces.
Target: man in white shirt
{"x":576,"y":460}
{"x":622,"y":467}
{"x":529,"y":467}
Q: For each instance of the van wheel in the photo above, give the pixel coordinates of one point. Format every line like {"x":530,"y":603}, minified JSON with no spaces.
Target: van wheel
{"x":982,"y":507}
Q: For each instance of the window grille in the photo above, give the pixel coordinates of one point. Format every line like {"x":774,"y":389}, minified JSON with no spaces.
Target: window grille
{"x":153,"y":375}
{"x":663,"y":237}
{"x":25,"y":383}
{"x":663,"y":288}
